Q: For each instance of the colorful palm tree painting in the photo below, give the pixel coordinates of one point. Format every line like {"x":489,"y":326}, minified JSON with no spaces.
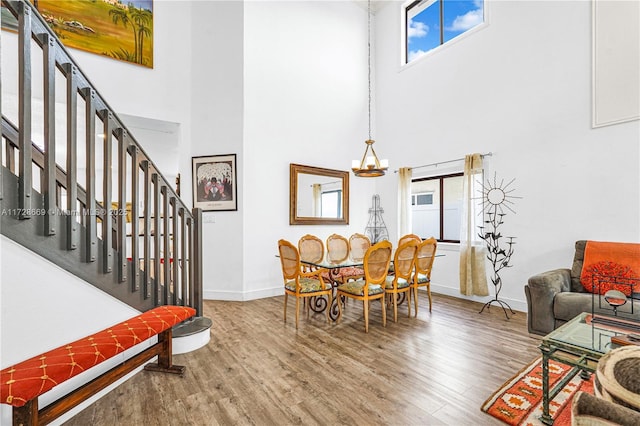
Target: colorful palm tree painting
{"x":120,"y":29}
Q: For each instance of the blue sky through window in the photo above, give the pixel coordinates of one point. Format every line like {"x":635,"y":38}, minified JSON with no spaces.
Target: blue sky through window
{"x":424,"y":26}
{"x":140,"y":4}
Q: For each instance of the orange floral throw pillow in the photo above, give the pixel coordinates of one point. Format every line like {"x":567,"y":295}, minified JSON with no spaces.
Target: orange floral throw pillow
{"x":610,"y":266}
{"x":28,"y":379}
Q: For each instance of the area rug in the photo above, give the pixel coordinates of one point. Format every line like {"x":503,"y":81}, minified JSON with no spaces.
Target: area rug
{"x":519,"y":401}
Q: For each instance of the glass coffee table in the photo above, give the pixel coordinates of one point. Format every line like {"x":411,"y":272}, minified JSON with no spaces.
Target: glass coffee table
{"x":580,"y":343}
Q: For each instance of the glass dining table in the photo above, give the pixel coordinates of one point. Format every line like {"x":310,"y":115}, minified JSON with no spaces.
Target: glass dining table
{"x":319,"y":304}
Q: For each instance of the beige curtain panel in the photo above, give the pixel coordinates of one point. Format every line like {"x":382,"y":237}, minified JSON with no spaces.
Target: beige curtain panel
{"x":473,"y":276}
{"x":317,"y":199}
{"x":404,"y":201}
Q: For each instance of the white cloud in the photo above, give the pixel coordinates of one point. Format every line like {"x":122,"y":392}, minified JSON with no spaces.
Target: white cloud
{"x":417,"y":29}
{"x":467,"y":21}
{"x":413,"y":54}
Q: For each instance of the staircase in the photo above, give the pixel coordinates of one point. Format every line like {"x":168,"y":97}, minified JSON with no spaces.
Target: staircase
{"x":108,"y":215}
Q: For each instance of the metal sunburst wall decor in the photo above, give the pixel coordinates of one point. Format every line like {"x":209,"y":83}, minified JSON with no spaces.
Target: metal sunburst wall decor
{"x":496,"y":198}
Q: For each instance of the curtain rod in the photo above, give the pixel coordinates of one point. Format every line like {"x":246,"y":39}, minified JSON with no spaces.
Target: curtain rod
{"x":488,"y":154}
{"x":326,"y":183}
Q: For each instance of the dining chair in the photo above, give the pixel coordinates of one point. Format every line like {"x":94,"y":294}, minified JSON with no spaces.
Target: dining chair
{"x":300,"y":284}
{"x":408,"y":237}
{"x":403,"y":262}
{"x":422,"y":270}
{"x":376,"y":264}
{"x":311,"y":249}
{"x":337,"y":248}
{"x":337,"y":252}
{"x":404,"y":239}
{"x":358,"y":246}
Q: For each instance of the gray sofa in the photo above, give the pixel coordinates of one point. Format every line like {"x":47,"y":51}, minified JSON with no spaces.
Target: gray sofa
{"x":555,"y":297}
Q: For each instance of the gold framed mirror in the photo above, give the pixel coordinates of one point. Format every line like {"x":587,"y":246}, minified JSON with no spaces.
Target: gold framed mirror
{"x":318,"y":196}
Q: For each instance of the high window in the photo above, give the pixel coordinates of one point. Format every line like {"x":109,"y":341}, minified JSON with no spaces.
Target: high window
{"x":436,"y":207}
{"x":431,"y":23}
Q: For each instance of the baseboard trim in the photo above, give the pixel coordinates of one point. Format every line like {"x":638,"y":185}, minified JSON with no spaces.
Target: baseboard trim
{"x":516,"y":305}
{"x":239,"y":296}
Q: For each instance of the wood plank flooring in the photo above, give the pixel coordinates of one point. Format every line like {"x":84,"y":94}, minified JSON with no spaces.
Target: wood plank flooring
{"x":436,"y":369}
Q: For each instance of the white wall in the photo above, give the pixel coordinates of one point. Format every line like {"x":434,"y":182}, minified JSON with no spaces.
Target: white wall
{"x":54,"y":313}
{"x":274,"y":83}
{"x":161,"y":92}
{"x":42,"y":307}
{"x":216,"y":83}
{"x":285,"y":82}
{"x":520,"y":88}
{"x":305,"y":94}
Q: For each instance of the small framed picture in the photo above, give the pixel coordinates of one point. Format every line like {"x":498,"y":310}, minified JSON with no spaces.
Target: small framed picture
{"x":214,"y":182}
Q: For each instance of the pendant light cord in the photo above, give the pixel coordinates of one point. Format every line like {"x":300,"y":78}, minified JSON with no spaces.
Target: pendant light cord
{"x":369,"y":60}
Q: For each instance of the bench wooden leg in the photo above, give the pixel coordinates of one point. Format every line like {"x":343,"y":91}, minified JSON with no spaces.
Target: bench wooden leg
{"x":165,"y":359}
{"x":27,"y":415}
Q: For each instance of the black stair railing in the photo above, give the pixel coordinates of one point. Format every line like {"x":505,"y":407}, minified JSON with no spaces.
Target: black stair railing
{"x":124,"y":227}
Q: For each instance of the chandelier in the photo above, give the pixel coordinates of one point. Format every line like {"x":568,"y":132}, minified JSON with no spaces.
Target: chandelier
{"x":369,"y":166}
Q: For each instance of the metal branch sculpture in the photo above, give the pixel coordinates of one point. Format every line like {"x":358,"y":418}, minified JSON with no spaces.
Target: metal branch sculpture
{"x":499,"y":252}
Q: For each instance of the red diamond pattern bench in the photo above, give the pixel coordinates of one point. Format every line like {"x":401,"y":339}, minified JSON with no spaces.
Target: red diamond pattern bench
{"x":22,"y":383}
